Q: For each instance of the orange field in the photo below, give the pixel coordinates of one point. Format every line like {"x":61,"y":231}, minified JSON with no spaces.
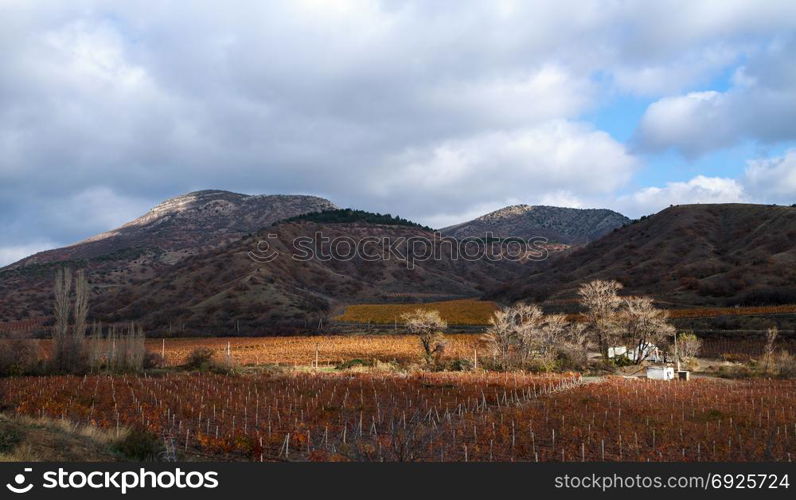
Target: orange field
{"x":302,"y":350}
{"x":477,"y":312}
{"x":429,"y":417}
{"x":455,"y":312}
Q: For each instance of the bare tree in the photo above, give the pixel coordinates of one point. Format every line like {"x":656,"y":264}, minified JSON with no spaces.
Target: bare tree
{"x":500,"y":334}
{"x":81,"y":304}
{"x":522,"y":335}
{"x":429,"y":325}
{"x":122,"y":350}
{"x":514,"y":334}
{"x":527,"y":336}
{"x":644,"y":325}
{"x":602,"y":302}
{"x":62,"y":290}
{"x":768,"y":349}
{"x":577,"y":337}
{"x":688,"y":346}
{"x":69,"y":345}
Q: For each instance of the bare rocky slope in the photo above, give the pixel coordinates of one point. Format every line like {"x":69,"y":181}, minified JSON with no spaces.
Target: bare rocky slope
{"x":570,"y":226}
{"x":193,"y":222}
{"x":172,"y":231}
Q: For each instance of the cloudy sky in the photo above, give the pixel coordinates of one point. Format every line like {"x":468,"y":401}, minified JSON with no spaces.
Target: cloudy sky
{"x":436,"y":110}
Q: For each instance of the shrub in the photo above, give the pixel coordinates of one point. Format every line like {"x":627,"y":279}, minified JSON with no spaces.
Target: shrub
{"x":19,"y":357}
{"x":203,"y":359}
{"x":139,"y":445}
{"x":735,"y":357}
{"x":200,"y":358}
{"x":460,"y":365}
{"x":9,"y":439}
{"x":352,"y":363}
{"x":784,"y":364}
{"x":621,"y":361}
{"x":688,"y":346}
{"x":542,"y":364}
{"x":570,"y":358}
{"x":738,"y":371}
{"x":153,"y":360}
{"x":224,"y":366}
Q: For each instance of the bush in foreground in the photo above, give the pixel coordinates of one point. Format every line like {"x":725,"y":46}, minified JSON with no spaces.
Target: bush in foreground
{"x":140,"y":445}
{"x":203,"y":359}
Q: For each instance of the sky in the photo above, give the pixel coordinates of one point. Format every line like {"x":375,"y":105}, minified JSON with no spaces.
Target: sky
{"x":436,"y":111}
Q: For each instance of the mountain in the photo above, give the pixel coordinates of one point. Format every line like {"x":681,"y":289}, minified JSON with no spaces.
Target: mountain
{"x":569,"y":226}
{"x":226,"y":288}
{"x":192,"y":222}
{"x":172,"y":231}
{"x":186,"y":266}
{"x":723,"y":254}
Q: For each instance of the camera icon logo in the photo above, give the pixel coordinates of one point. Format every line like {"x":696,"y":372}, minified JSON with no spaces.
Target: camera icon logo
{"x":19,"y":483}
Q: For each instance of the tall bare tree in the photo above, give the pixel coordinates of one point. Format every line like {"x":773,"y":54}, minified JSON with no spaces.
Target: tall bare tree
{"x":526,"y":321}
{"x":81,"y":304}
{"x":522,"y":335}
{"x":768,"y":348}
{"x":62,"y":290}
{"x":644,"y":325}
{"x":429,"y":325}
{"x":602,"y":302}
{"x":578,"y":341}
{"x":69,"y":345}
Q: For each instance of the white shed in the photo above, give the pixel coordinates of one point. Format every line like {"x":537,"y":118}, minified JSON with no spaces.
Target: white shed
{"x":615,"y":352}
{"x":649,"y":352}
{"x":660,"y":372}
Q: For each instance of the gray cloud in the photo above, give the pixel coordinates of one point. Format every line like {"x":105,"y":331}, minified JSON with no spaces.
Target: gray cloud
{"x":430,"y":109}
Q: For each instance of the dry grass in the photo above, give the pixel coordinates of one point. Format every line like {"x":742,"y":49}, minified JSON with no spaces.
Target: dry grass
{"x":455,"y":312}
{"x":296,"y":351}
{"x":44,"y":439}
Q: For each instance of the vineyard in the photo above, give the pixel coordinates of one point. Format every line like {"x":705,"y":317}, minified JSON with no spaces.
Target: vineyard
{"x":741,"y":348}
{"x":330,"y":350}
{"x":430,"y":417}
{"x":477,"y":312}
{"x":455,"y":312}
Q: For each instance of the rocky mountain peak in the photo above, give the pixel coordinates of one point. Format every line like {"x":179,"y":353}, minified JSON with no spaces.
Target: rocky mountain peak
{"x":557,"y":224}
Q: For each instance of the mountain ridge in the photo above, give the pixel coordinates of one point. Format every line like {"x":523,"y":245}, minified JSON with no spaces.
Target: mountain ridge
{"x":571,"y":226}
{"x":209,"y":217}
{"x":689,"y":255}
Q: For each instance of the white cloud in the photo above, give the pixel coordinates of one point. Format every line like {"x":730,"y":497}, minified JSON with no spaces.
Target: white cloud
{"x":13,"y":253}
{"x":547,"y":93}
{"x":562,"y":198}
{"x":765,"y":180}
{"x":773,"y":179}
{"x":553,"y":162}
{"x":700,"y":189}
{"x":676,"y":75}
{"x":693,"y":123}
